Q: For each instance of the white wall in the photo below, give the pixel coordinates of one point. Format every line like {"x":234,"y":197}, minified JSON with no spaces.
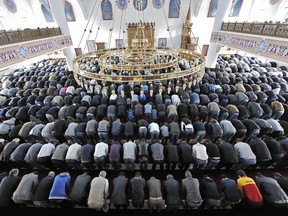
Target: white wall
{"x":252,"y":10}
{"x":263,"y":11}
{"x":23,"y":18}
{"x":132,"y":15}
{"x":39,"y":17}
{"x":104,"y":35}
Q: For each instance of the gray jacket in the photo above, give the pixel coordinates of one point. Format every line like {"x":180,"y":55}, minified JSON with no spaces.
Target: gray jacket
{"x":25,"y":189}
{"x":154,"y":187}
{"x":271,"y":190}
{"x":191,"y":190}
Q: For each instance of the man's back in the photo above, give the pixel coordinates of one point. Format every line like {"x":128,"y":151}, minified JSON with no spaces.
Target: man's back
{"x":209,"y":189}
{"x":229,"y":188}
{"x":157,"y":150}
{"x":249,"y":189}
{"x":271,"y":190}
{"x":129,"y":150}
{"x":283,"y":182}
{"x":227,"y":153}
{"x":137,"y":188}
{"x":80,"y":189}
{"x":191,"y":189}
{"x":120,"y":187}
{"x":101,"y":149}
{"x":7,"y":187}
{"x":98,"y":192}
{"x":154,"y":187}
{"x":171,"y":190}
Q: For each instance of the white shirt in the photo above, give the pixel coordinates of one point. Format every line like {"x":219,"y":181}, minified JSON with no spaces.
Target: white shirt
{"x":101,"y":149}
{"x":243,"y":150}
{"x":199,"y":152}
{"x":153,"y":127}
{"x":73,"y":152}
{"x":113,"y":97}
{"x":129,"y":150}
{"x":275,"y":125}
{"x":227,"y":126}
{"x":183,"y":126}
{"x":46,"y":150}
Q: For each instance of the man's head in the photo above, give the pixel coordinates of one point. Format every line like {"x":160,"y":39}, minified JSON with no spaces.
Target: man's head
{"x":36,"y":172}
{"x":169,"y":176}
{"x":14,"y":172}
{"x":258,"y":174}
{"x":240,"y":173}
{"x":276,"y":175}
{"x":121,"y":173}
{"x":51,"y":174}
{"x":102,"y":174}
{"x":188,"y":174}
{"x":138,"y":174}
{"x":16,"y":140}
{"x":223,"y":176}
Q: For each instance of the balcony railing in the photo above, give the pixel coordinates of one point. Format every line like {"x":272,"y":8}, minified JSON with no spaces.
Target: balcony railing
{"x":267,"y":29}
{"x":10,"y":37}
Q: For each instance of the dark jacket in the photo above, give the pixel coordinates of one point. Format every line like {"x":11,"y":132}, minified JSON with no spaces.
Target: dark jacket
{"x":7,"y":151}
{"x":171,"y":192}
{"x":43,"y":189}
{"x":171,"y":153}
{"x":208,"y":189}
{"x":191,"y":189}
{"x":137,"y":188}
{"x":120,"y":190}
{"x":212,"y":150}
{"x":227,"y":153}
{"x":86,"y":153}
{"x":19,"y":153}
{"x":7,"y":187}
{"x":260,"y":149}
{"x":283,"y":182}
{"x":271,"y":190}
{"x":185,"y":155}
{"x":129,"y":128}
{"x":80,"y":189}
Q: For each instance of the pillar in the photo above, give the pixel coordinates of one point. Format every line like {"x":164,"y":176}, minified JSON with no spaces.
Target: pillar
{"x":222,"y":11}
{"x":57,"y":9}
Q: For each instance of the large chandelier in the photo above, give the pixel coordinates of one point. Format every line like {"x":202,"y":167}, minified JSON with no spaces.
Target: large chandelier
{"x":140,"y":56}
{"x":138,"y":61}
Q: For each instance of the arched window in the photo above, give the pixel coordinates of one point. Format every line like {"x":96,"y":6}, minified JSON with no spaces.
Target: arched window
{"x":235,"y":8}
{"x":106,"y":7}
{"x":213,"y":8}
{"x":174,"y":8}
{"x":122,"y":4}
{"x":158,"y":3}
{"x":140,"y":5}
{"x":47,"y":13}
{"x":69,"y":12}
{"x":10,"y":5}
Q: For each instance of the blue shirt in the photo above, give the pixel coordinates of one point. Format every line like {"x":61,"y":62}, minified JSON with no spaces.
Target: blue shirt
{"x":230,"y":190}
{"x":195,"y":99}
{"x":130,"y":114}
{"x":60,"y":186}
{"x":154,"y":114}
